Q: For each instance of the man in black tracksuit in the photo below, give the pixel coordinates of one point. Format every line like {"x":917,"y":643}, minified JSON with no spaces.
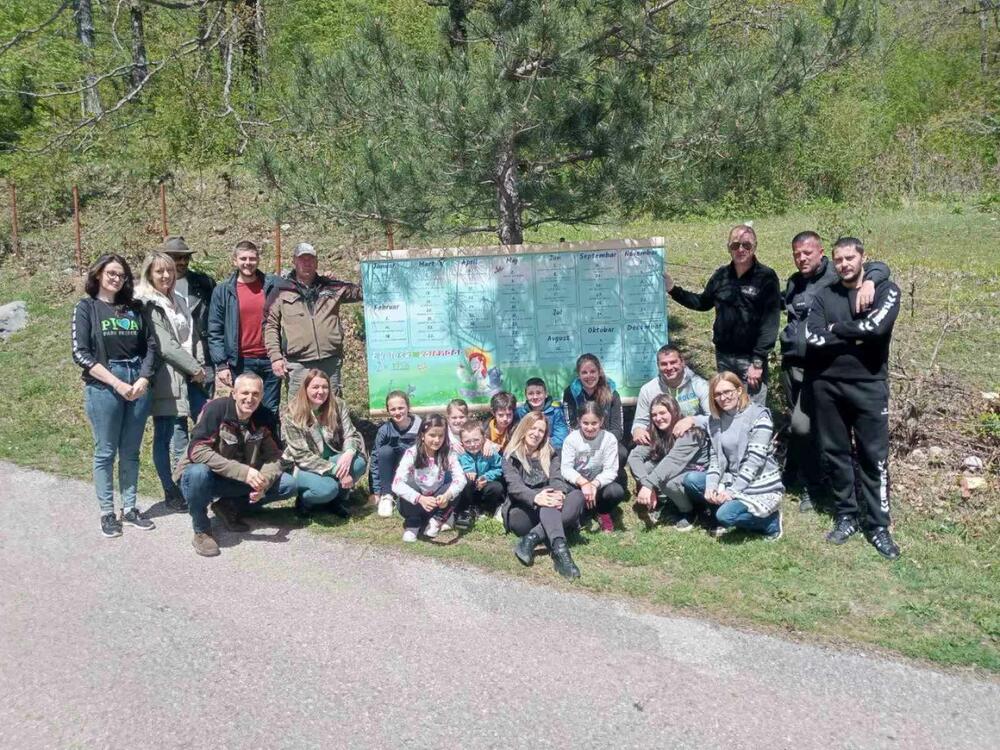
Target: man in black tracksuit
{"x":746,"y":296}
{"x":848,"y":369}
{"x":815,"y":273}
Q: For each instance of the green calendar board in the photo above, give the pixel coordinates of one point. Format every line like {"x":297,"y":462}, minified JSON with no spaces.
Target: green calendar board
{"x":469,"y":322}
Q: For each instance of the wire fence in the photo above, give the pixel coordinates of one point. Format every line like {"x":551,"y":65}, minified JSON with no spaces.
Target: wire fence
{"x":930,"y":321}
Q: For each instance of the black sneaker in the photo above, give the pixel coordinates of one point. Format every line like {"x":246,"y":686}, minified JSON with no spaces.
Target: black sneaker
{"x":134,"y":518}
{"x":175,"y":501}
{"x":463,"y":520}
{"x":881,"y":540}
{"x":843,"y":529}
{"x":110,"y":525}
{"x":302,"y":512}
{"x":337,"y":509}
{"x":806,"y":503}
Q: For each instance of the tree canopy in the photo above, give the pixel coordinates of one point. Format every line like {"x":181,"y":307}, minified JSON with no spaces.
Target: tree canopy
{"x":462,"y":116}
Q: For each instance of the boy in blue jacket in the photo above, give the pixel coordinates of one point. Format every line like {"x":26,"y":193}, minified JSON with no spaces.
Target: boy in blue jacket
{"x":485,"y":487}
{"x":537,"y":396}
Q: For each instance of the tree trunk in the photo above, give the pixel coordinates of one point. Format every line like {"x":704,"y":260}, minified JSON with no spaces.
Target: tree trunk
{"x":509,"y":207}
{"x":457,"y":16}
{"x":252,"y":40}
{"x":140,"y":63}
{"x":90,"y":101}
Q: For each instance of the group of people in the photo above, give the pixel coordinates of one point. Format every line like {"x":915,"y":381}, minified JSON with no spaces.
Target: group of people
{"x":700,"y":452}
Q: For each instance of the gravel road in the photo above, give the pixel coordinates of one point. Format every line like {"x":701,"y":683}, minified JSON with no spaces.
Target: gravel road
{"x":295,"y":640}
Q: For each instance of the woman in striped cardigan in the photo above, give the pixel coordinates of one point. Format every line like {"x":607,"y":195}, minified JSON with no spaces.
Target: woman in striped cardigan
{"x":743,"y":478}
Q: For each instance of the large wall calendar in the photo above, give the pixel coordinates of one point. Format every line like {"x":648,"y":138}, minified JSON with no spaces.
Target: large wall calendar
{"x":467,"y":323}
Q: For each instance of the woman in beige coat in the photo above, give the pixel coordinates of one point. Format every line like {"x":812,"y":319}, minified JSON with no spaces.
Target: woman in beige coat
{"x":179,"y":348}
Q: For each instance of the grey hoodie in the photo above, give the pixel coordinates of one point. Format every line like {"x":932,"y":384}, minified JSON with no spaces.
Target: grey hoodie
{"x":691,"y":395}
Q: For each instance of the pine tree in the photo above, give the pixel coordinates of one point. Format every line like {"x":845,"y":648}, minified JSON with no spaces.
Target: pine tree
{"x":531,"y":111}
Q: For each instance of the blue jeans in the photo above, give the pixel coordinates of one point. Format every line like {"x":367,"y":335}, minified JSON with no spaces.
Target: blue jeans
{"x":165,"y":454}
{"x":272,"y":383}
{"x":387,"y":458}
{"x":201,"y":485}
{"x":117,"y":425}
{"x":735,"y":513}
{"x":694,"y":487}
{"x":320,"y":489}
{"x":170,"y":435}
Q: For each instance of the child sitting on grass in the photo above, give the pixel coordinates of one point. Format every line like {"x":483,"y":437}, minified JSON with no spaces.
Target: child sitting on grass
{"x":537,"y":396}
{"x":590,"y":463}
{"x":501,"y":423}
{"x":391,"y":441}
{"x":485,"y":486}
{"x":660,"y":467}
{"x":457,"y":414}
{"x":427,"y":480}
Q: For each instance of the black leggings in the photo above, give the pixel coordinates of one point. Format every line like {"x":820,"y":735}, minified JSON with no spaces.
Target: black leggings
{"x":548,"y":523}
{"x":489,"y":497}
{"x":414,"y":516}
{"x":609,"y":497}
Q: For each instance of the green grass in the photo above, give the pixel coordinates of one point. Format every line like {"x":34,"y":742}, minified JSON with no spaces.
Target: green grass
{"x":940,"y":602}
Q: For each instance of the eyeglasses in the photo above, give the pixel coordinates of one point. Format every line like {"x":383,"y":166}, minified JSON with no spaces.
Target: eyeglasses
{"x":722,"y":395}
{"x":114,"y":275}
{"x":734,"y":246}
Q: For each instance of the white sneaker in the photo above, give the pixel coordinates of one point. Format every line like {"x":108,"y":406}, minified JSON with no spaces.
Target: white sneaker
{"x":433,"y":527}
{"x":447,"y":525}
{"x":498,"y":516}
{"x":385,"y":506}
{"x":409,"y":535}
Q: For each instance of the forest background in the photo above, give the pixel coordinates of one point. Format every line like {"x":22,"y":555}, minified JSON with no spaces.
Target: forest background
{"x":468,"y":122}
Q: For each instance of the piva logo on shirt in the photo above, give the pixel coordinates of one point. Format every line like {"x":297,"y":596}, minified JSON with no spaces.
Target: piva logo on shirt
{"x":750,"y":291}
{"x":120,"y":324}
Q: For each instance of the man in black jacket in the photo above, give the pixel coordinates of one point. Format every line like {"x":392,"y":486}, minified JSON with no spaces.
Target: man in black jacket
{"x":848,"y":366}
{"x":196,"y":289}
{"x":815,"y":273}
{"x":747,"y":299}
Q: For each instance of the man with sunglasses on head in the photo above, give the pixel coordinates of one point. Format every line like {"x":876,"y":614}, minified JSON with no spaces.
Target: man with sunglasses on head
{"x":746,"y":296}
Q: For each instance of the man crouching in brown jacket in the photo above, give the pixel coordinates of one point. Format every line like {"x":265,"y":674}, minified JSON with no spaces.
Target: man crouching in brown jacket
{"x":233,"y":456}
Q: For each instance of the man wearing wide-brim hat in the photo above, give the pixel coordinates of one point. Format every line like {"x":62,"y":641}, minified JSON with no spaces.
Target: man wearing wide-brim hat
{"x":196,"y":289}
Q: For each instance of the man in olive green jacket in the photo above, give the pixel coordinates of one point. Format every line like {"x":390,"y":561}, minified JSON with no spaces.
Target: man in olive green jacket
{"x":302,"y":327}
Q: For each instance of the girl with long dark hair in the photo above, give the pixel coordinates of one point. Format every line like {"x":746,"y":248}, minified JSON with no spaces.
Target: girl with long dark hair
{"x":427,"y":480}
{"x":660,"y":467}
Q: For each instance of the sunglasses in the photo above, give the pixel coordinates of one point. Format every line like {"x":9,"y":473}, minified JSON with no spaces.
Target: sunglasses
{"x":734,"y":246}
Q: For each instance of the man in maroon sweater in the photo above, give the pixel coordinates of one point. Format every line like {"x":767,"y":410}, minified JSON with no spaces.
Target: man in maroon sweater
{"x":236,"y":324}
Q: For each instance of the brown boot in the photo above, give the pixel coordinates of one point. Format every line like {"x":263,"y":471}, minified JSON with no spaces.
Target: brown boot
{"x":226,"y":509}
{"x":205,"y":545}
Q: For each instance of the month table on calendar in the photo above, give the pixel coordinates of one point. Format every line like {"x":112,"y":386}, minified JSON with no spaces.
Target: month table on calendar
{"x":471,"y":325}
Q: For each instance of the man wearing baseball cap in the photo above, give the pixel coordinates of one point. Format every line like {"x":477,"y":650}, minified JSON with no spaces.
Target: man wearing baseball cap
{"x":303,"y":328}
